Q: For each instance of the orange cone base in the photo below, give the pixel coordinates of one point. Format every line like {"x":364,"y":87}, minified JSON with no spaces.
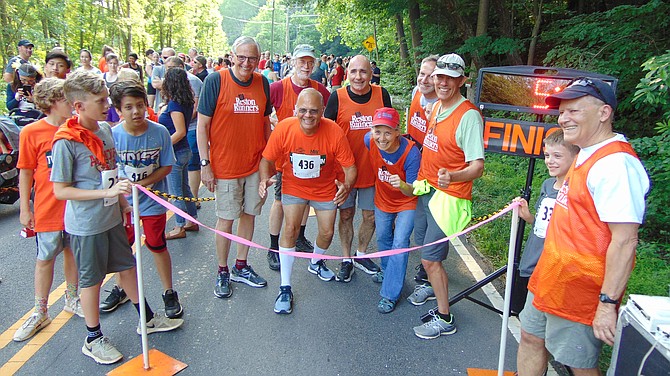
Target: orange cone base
{"x":487,"y":372}
{"x":159,"y":364}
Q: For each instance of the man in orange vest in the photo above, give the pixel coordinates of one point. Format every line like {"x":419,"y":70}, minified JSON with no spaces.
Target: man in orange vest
{"x":352,"y":107}
{"x":233,"y":128}
{"x":589,"y":250}
{"x":423,"y":97}
{"x":284,"y":96}
{"x":452,"y":157}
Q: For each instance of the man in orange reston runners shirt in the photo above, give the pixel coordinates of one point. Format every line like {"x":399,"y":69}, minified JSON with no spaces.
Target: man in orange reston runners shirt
{"x":589,"y":251}
{"x":233,"y":128}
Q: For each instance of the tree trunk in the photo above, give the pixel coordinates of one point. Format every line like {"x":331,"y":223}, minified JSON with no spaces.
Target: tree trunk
{"x":537,"y":15}
{"x":461,"y":25}
{"x":400,"y":29}
{"x":482,"y":28}
{"x":414,"y":15}
{"x":507,"y":29}
{"x":4,"y":33}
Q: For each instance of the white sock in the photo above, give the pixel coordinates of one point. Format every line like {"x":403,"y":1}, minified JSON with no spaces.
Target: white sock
{"x":359,"y":253}
{"x":346,"y":260}
{"x":286,"y":266}
{"x":317,"y":251}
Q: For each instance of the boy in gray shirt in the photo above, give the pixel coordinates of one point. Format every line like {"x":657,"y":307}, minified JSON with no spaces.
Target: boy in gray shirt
{"x":84,"y":173}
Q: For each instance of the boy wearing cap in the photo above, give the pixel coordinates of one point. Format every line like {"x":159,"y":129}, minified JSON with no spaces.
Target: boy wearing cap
{"x":25,"y":52}
{"x":589,"y":251}
{"x":311,"y":150}
{"x":284,"y":95}
{"x":452,"y":157}
{"x":396,"y":162}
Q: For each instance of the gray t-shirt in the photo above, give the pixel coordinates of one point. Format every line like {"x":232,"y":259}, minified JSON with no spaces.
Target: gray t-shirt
{"x":196,"y":86}
{"x":535,"y":243}
{"x":74,"y":163}
{"x":158,"y":73}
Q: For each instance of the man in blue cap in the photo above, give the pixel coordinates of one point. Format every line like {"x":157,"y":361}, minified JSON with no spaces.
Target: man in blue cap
{"x":25,"y":52}
{"x":589,"y":251}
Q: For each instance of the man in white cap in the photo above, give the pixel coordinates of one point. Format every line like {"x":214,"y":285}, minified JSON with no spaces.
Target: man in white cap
{"x":284,"y":96}
{"x":25,"y":52}
{"x":452,"y":157}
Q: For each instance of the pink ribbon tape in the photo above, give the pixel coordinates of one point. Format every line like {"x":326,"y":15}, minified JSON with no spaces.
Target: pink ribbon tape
{"x":249,"y":243}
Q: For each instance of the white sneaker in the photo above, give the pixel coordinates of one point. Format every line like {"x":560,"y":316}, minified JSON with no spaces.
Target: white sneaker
{"x":102,"y":351}
{"x":34,"y":323}
{"x":161,"y":323}
{"x":73,"y":306}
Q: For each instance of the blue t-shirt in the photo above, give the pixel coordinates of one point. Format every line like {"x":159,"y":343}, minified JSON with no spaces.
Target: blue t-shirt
{"x":166,"y":120}
{"x":412,"y":162}
{"x":139,"y":156}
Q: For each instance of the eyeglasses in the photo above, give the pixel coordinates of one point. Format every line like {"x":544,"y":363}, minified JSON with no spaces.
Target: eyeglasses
{"x":312,"y":112}
{"x":583,"y":81}
{"x":450,"y":66}
{"x":251,"y":59}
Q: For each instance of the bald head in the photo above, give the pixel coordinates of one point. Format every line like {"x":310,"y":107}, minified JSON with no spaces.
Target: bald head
{"x":309,"y":109}
{"x":359,"y":73}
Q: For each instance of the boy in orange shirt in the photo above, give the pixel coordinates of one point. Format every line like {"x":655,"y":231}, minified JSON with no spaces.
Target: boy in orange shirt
{"x":47,"y":217}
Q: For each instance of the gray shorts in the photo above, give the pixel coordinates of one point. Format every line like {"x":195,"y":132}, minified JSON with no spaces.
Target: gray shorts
{"x":366,"y":199}
{"x":233,"y":196}
{"x":317,"y":205}
{"x":426,"y":231}
{"x":97,"y":255}
{"x":278,"y":187}
{"x":569,"y":342}
{"x":51,"y":243}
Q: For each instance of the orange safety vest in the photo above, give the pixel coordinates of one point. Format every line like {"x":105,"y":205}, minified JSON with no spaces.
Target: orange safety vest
{"x":440,"y":150}
{"x":289,"y":99}
{"x":387,"y":198}
{"x":417,"y":122}
{"x":569,"y":275}
{"x":237,"y":130}
{"x":356,"y":120}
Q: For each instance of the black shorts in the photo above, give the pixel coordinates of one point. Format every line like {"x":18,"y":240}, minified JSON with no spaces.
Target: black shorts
{"x":150,"y":89}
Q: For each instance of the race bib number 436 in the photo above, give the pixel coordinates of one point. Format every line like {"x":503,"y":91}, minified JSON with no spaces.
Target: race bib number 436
{"x":306,"y":166}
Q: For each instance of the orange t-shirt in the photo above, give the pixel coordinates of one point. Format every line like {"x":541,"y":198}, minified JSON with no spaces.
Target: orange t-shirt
{"x":387,"y":198}
{"x":356,"y":120}
{"x":237,"y":129}
{"x":102,"y":64}
{"x":310,"y":163}
{"x":440,"y":150}
{"x":289,"y":98}
{"x":569,"y":275}
{"x":35,"y":144}
{"x":416,"y":119}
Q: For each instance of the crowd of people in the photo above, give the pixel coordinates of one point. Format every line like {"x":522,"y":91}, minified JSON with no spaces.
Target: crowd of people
{"x":252,"y":124}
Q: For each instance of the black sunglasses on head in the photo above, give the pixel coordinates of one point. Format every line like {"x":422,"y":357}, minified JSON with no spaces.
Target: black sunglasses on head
{"x":584,"y":81}
{"x":451,"y":66}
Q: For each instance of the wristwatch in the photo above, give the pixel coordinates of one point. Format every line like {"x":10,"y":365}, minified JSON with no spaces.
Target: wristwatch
{"x":204,"y":162}
{"x":606,"y":299}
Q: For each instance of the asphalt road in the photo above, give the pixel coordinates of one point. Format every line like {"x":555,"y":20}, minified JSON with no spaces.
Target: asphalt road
{"x":335,"y":328}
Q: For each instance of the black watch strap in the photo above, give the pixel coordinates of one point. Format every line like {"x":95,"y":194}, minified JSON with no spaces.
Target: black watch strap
{"x":606,"y":299}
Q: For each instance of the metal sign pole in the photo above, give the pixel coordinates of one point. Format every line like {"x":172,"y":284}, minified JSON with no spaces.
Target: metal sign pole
{"x":140,"y":279}
{"x":508,"y":288}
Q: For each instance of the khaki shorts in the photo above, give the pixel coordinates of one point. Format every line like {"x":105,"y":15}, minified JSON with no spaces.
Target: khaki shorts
{"x":234,"y":196}
{"x":51,"y":243}
{"x":366,"y":199}
{"x":570,"y":343}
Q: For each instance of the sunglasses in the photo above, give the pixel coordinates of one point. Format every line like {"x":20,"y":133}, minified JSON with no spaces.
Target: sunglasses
{"x":450,"y":66}
{"x":583,"y":81}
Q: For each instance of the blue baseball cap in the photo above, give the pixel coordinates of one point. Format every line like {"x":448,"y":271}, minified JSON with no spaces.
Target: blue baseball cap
{"x":584,"y":86}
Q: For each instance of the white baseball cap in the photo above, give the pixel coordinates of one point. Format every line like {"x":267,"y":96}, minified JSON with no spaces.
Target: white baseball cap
{"x":451,"y":65}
